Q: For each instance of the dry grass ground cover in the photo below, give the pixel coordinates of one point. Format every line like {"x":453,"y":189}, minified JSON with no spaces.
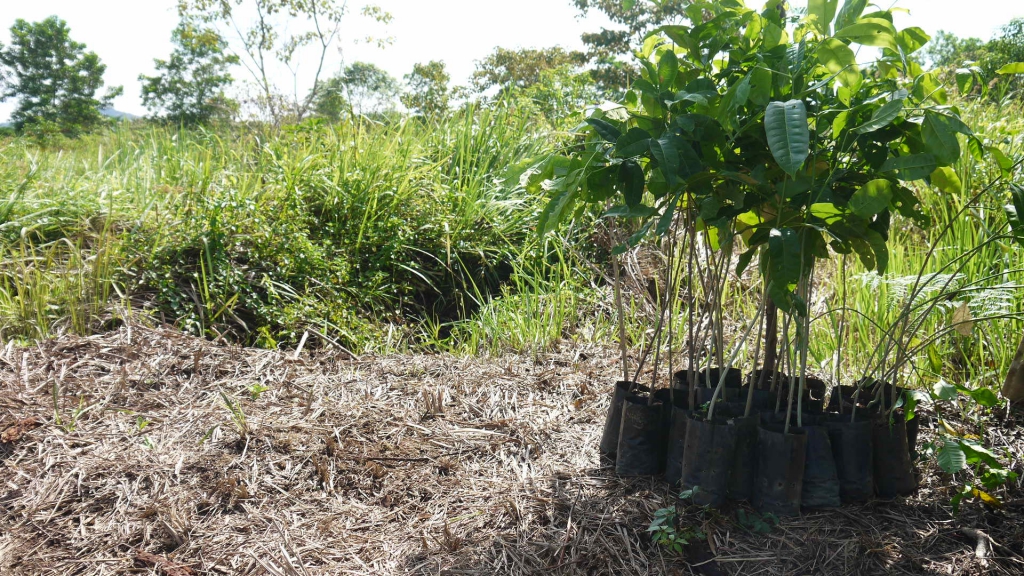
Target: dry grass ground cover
{"x":171,"y":455}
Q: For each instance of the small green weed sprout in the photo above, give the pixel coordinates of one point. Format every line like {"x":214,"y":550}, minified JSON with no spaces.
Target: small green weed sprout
{"x":664,"y":530}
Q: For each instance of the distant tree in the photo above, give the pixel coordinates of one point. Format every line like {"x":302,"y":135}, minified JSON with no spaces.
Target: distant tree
{"x":314,"y":24}
{"x":189,"y":88}
{"x":560,"y":96}
{"x":54,"y":79}
{"x":507,"y":69}
{"x":427,"y":92}
{"x":946,"y":50}
{"x":361,"y":88}
{"x":949,"y":52}
{"x":608,"y":50}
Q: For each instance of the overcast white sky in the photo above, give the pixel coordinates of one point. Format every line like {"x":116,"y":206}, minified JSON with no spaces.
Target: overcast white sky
{"x":128,"y":34}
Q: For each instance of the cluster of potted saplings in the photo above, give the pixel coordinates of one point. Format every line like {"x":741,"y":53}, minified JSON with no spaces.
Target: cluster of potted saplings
{"x":773,"y":436}
{"x":753,"y":446}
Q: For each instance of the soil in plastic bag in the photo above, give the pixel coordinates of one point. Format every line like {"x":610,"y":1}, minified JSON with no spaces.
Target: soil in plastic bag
{"x":744,"y":464}
{"x":780,"y":470}
{"x":894,"y":472}
{"x":641,"y":443}
{"x":707,"y":459}
{"x":676,"y":445}
{"x":854,"y":457}
{"x":821,"y":479}
{"x":613,"y":420}
{"x":669,"y":399}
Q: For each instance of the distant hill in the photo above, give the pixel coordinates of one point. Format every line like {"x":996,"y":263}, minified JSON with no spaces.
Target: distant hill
{"x":107,"y":112}
{"x":117,"y":114}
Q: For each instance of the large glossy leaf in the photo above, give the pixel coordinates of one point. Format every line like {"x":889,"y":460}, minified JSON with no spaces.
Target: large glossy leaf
{"x":911,"y":40}
{"x":633,"y":143}
{"x":605,"y":129}
{"x":823,"y":12}
{"x":944,"y":178}
{"x":871,"y":32}
{"x":850,"y":12}
{"x":871,"y":198}
{"x":940,"y":139}
{"x":631,"y":182}
{"x":882,"y":117}
{"x":668,"y":67}
{"x":1014,"y":68}
{"x":911,"y":167}
{"x":664,"y":151}
{"x":840,"y":60}
{"x":789,"y":138}
{"x":784,"y":256}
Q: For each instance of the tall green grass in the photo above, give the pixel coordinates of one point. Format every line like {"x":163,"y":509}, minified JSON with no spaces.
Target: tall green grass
{"x":354,"y":230}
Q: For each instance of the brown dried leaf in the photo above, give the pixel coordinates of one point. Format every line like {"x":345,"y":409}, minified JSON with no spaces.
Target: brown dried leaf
{"x":963,"y":322}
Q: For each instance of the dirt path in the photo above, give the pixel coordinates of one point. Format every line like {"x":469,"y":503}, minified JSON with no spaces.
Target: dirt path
{"x":172,"y":455}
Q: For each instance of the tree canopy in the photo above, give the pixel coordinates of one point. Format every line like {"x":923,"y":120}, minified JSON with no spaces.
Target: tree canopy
{"x":361,"y":88}
{"x":427,"y":92}
{"x":506,"y":68}
{"x":54,"y":79}
{"x":189,"y":87}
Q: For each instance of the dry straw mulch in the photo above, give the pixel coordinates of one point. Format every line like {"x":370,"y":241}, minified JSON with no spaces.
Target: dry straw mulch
{"x":398,"y":465}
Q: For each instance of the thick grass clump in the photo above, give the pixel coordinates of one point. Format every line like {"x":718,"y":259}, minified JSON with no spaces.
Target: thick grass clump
{"x":357,"y":231}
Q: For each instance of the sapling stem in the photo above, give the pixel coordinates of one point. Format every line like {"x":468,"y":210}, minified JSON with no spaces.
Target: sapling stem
{"x":732,"y":357}
{"x":757,"y":356}
{"x":621,"y":318}
{"x":691,"y":375}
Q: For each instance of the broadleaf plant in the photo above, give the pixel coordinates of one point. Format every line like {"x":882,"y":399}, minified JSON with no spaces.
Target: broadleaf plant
{"x":764,"y":133}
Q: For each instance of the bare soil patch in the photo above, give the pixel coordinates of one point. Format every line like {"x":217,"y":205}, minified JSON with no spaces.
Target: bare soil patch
{"x":399,"y":465}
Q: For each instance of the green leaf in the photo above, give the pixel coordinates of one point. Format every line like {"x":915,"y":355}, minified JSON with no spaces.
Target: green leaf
{"x":912,"y":39}
{"x":826,"y":211}
{"x":943,"y":390}
{"x":633,"y":143}
{"x":556,"y":210}
{"x":668,"y":68}
{"x":788,"y":135}
{"x":944,"y":178}
{"x":1015,"y":213}
{"x":882,"y":117}
{"x":744,"y":260}
{"x":951,"y":457}
{"x":871,"y":198}
{"x":940,"y":139}
{"x":1005,"y":164}
{"x":985,"y":397}
{"x":605,"y":129}
{"x":871,"y":32}
{"x":664,"y":151}
{"x":850,"y":12}
{"x":631,"y":179}
{"x":975,"y":453}
{"x":639,"y":211}
{"x":840,"y":60}
{"x":784,"y":256}
{"x":1014,"y":68}
{"x":910,"y":167}
{"x":823,"y":11}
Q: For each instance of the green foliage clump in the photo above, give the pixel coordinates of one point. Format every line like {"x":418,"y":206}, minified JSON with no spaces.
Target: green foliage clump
{"x":354,"y":230}
{"x":427,"y":90}
{"x":189,"y":88}
{"x":54,"y":79}
{"x":361,"y":88}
